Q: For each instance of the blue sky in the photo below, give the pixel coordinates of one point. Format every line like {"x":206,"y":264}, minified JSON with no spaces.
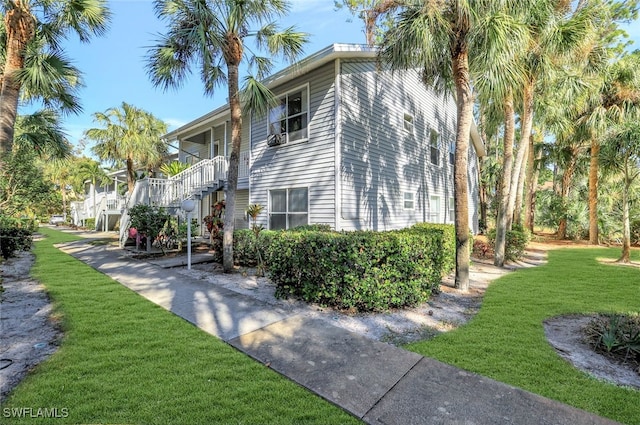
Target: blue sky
{"x":114,"y":70}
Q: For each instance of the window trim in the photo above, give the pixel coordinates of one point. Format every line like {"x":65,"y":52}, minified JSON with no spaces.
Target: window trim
{"x":405,"y":200}
{"x":452,"y":152}
{"x":431,"y":212}
{"x":304,"y":88}
{"x":408,"y":123}
{"x":433,"y":132}
{"x":452,"y":209}
{"x":287,"y":213}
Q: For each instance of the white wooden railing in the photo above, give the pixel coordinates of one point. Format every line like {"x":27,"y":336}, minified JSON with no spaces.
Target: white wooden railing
{"x":190,"y":183}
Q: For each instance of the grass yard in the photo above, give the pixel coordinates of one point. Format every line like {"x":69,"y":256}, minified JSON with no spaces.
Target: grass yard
{"x":506,"y":340}
{"x":126,"y":360}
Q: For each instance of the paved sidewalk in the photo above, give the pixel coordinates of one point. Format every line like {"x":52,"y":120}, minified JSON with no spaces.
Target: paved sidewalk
{"x":377,"y":382}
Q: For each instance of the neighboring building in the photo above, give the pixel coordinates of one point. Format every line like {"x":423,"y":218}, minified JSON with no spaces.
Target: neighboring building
{"x":103,"y":203}
{"x":350,"y":145}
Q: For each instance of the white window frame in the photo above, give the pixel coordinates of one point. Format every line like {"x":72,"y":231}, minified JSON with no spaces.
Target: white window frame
{"x":287,"y":213}
{"x":452,"y":152}
{"x":452,"y":209}
{"x":407,"y":122}
{"x":408,"y":197}
{"x":272,"y":123}
{"x":434,"y":216}
{"x":434,"y":136}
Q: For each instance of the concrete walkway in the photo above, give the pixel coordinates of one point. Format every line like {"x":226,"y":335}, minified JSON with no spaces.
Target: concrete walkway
{"x":377,"y":382}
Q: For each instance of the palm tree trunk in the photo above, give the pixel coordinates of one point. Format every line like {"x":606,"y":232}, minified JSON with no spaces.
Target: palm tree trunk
{"x":464,"y":102}
{"x":626,"y":232}
{"x":517,"y":210}
{"x":131,"y":175}
{"x":232,"y":56}
{"x":567,"y":180}
{"x":531,"y":181}
{"x":517,"y":178}
{"x":20,"y":30}
{"x":507,"y":168}
{"x":593,"y":192}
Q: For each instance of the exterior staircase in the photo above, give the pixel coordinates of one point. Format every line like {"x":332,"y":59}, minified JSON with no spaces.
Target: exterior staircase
{"x":197,"y":181}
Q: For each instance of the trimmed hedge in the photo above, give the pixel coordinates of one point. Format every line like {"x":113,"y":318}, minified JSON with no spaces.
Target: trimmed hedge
{"x":16,"y":235}
{"x":365,"y":271}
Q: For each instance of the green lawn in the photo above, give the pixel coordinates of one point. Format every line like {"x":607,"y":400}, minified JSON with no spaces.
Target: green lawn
{"x":125,"y":360}
{"x":506,"y":341}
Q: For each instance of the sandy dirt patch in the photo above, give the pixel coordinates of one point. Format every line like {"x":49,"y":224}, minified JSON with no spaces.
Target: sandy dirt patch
{"x":29,"y":332}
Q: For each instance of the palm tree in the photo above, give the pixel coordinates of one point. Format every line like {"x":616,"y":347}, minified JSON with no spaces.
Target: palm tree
{"x":91,"y":170}
{"x":619,"y":89}
{"x":559,"y":36}
{"x":211,"y":37}
{"x":454,"y":43}
{"x":60,"y":173}
{"x":42,"y":133}
{"x":33,"y":30}
{"x":128,"y":135}
{"x":621,"y":153}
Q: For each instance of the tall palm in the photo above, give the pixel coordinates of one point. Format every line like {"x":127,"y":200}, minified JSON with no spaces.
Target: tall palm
{"x":39,"y":26}
{"x":621,"y":153}
{"x":91,"y":170}
{"x":210,"y":36}
{"x":128,"y":135}
{"x":454,"y":43}
{"x":60,"y":173}
{"x":559,"y":35}
{"x":619,"y":90}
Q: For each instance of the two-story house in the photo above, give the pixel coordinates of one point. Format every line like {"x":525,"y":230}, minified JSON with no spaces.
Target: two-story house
{"x":351,"y":144}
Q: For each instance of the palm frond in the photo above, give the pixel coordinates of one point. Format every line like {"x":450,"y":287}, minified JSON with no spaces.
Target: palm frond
{"x":256,"y":97}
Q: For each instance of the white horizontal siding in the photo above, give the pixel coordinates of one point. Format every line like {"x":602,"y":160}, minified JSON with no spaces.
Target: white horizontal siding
{"x":379,"y":159}
{"x":308,"y":164}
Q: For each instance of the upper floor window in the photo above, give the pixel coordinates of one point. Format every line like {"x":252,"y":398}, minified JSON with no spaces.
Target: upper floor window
{"x":452,"y":153}
{"x":435,"y":150}
{"x":289,"y":121}
{"x":408,"y":123}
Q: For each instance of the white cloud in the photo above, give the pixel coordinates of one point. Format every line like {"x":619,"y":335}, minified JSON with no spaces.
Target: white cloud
{"x":174,"y":123}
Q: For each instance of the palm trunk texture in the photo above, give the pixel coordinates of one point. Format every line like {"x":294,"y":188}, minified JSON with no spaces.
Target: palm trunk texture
{"x":463,"y":131}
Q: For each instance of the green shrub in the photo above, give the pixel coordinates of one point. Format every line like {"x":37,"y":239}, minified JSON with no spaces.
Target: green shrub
{"x":90,"y":223}
{"x":148,"y":220}
{"x":635,"y":232}
{"x":15,"y":235}
{"x":618,"y":334}
{"x":448,"y":242}
{"x":312,"y":228}
{"x":365,"y":271}
{"x":516,"y":242}
{"x":244,"y":246}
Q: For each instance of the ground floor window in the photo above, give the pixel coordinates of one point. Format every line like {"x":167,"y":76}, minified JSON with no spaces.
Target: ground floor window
{"x":434,"y":209}
{"x":408,"y":203}
{"x":452,"y":209}
{"x":288,"y":208}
